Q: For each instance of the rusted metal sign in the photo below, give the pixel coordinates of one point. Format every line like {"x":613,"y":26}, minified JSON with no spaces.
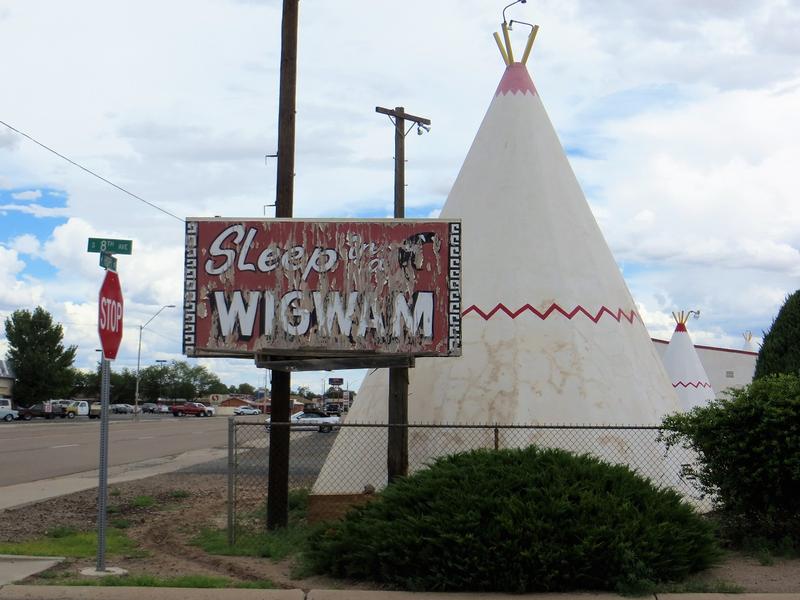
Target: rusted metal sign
{"x":294,"y":289}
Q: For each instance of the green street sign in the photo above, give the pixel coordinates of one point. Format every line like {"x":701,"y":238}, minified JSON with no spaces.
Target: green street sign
{"x":110,"y":246}
{"x":108,"y":262}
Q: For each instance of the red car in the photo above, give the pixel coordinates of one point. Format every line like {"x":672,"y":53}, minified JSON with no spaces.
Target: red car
{"x":191,"y":408}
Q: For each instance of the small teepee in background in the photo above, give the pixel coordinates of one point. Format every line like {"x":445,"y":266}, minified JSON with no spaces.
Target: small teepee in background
{"x":748,"y":342}
{"x":685,"y":370}
{"x":551,"y":333}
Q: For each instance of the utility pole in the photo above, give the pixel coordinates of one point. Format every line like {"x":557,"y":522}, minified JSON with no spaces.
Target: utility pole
{"x":397,"y":455}
{"x":278,"y":484}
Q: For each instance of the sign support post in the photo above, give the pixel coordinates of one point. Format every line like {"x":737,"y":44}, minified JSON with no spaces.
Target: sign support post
{"x":397,"y":452}
{"x":109,"y":327}
{"x":278,"y":477}
{"x":102,"y":490}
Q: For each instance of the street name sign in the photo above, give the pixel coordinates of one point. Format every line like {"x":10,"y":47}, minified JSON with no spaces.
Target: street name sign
{"x":108,"y":262}
{"x":109,"y":318}
{"x":110,"y":246}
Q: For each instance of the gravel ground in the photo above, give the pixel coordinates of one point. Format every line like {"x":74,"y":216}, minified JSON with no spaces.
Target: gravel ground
{"x":165,"y":529}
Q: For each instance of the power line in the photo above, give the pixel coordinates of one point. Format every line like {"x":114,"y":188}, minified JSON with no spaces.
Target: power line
{"x":100,"y":177}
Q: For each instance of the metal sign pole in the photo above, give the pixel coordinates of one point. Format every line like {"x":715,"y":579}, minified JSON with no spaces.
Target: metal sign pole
{"x":102,"y":490}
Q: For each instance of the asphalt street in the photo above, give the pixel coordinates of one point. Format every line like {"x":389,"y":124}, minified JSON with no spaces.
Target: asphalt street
{"x":40,"y":449}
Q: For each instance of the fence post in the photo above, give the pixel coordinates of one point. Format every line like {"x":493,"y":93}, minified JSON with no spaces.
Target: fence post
{"x":231,"y":475}
{"x":496,"y":437}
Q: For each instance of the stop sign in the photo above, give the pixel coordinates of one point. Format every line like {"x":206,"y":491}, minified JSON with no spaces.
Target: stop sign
{"x":109,"y":316}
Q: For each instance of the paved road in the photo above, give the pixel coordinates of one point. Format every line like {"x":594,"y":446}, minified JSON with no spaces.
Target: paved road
{"x":41,"y":449}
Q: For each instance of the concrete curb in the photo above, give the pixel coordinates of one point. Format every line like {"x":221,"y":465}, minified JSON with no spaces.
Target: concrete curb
{"x":45,"y":592}
{"x":58,"y":592}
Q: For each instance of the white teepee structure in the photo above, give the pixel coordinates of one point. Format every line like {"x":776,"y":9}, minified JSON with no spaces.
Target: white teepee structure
{"x":684,"y":368}
{"x":748,"y":342}
{"x":550,"y":331}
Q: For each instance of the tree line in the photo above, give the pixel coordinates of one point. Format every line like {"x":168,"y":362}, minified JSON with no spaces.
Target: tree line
{"x":44,"y":369}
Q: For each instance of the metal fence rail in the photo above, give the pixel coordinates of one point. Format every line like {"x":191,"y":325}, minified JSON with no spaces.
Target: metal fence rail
{"x":344,"y":467}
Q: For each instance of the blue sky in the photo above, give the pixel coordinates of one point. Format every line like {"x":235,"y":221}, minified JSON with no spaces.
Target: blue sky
{"x":677,"y":119}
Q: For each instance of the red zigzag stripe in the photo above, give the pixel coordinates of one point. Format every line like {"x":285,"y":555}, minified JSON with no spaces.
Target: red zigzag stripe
{"x":694,"y":384}
{"x":618,"y":316}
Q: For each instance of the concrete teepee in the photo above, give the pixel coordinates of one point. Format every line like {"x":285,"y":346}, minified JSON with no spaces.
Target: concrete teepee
{"x":550,"y":331}
{"x":684,"y":368}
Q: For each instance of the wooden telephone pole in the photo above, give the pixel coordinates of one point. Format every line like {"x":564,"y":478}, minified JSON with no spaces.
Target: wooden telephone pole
{"x":278,"y":482}
{"x":397,"y":455}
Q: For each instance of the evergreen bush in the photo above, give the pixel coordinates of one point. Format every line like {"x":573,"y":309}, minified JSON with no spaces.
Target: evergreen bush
{"x":780,"y":350}
{"x":749,"y":450}
{"x":518,"y":520}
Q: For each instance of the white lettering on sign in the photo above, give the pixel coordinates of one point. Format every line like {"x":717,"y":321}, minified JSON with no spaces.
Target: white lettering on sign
{"x":110,"y":315}
{"x":232,"y":249}
{"x":328,"y":316}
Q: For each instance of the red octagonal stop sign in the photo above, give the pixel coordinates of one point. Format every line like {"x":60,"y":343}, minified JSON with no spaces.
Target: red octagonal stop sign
{"x":109,"y":316}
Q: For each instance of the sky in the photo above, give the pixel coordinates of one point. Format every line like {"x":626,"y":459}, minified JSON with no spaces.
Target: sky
{"x":680,"y":120}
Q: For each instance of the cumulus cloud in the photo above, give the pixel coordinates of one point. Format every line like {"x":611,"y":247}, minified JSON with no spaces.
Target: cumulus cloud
{"x":28,"y":195}
{"x":16,"y":292}
{"x":26,"y":244}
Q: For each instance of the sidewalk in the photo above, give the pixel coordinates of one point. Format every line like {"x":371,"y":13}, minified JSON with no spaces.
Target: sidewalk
{"x":12,"y":496}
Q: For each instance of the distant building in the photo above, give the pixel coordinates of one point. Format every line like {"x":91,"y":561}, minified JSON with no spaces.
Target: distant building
{"x":725,"y":367}
{"x":6,"y":379}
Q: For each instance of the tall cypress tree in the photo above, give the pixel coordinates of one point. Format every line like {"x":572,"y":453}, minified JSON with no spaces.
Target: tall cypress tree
{"x":780,"y":351}
{"x":41,"y":364}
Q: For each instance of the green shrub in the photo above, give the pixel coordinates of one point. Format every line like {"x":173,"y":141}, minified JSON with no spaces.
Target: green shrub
{"x":749,"y":450}
{"x":518,"y":521}
{"x":780,"y":350}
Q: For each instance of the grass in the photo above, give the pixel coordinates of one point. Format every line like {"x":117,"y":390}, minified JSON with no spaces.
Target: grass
{"x":65,"y":541}
{"x":179,"y":494}
{"x":276,"y":545}
{"x":143,"y":502}
{"x":182,"y":581}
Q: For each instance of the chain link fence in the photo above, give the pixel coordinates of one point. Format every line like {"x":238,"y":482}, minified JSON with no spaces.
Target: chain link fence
{"x":335,"y":470}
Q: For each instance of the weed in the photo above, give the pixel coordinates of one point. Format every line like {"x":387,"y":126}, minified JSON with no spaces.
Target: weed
{"x":179,"y":494}
{"x":143,"y":502}
{"x":61,"y":531}
{"x":112,"y":510}
{"x":115,"y":492}
{"x":120,"y":523}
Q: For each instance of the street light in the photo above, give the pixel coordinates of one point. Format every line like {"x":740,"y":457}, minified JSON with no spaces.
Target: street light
{"x":139,"y":358}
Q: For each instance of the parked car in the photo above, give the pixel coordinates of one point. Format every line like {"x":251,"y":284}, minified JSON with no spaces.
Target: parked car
{"x":77,"y":408}
{"x":94,"y":410}
{"x":333,"y":408}
{"x":246,"y":410}
{"x":122,"y":408}
{"x":311,"y":420}
{"x":163,"y":408}
{"x":45,"y":410}
{"x":190,"y":408}
{"x":211,"y":411}
{"x":8,"y":414}
{"x":149,"y":407}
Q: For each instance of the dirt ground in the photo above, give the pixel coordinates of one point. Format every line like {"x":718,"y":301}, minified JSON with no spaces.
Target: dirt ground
{"x":166,"y":528}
